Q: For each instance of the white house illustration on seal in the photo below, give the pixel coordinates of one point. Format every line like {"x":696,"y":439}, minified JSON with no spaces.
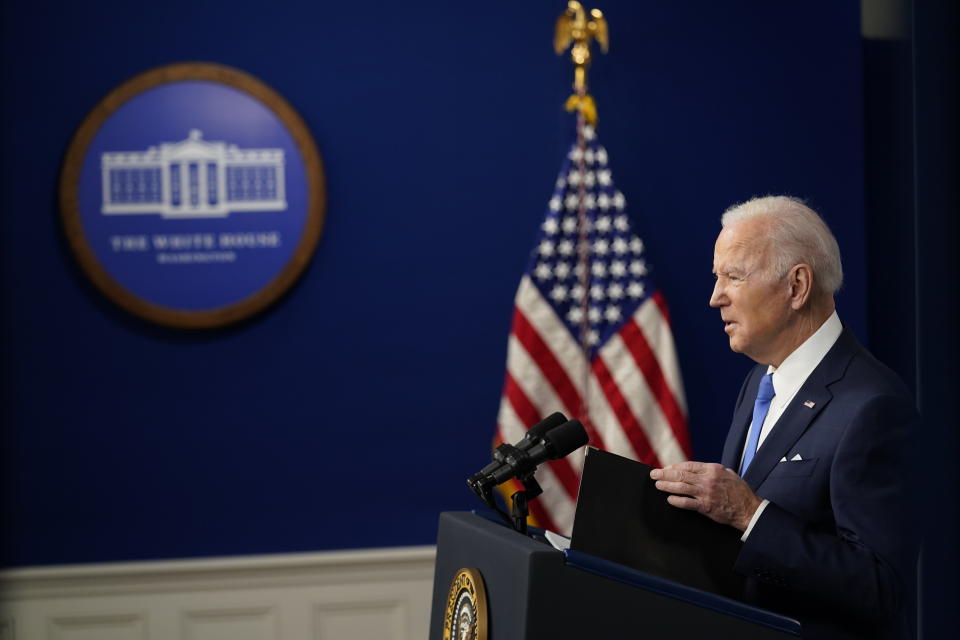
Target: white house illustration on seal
{"x":193,"y":178}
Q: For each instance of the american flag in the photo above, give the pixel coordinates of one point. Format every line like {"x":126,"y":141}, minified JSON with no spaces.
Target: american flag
{"x":591,"y":337}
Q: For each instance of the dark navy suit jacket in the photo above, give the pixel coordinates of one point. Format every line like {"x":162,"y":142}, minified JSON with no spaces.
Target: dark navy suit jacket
{"x":836,"y":547}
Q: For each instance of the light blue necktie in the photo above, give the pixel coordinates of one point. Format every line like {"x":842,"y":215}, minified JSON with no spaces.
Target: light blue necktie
{"x":764,"y":395}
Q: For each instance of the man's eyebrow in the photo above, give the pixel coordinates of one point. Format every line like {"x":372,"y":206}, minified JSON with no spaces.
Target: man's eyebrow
{"x":732,"y":272}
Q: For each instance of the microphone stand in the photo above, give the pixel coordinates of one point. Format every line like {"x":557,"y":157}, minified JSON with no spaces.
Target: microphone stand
{"x":517,"y":462}
{"x":485,"y":493}
{"x":521,"y":502}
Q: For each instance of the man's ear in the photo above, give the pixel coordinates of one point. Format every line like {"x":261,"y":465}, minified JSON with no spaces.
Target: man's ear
{"x":800,"y":281}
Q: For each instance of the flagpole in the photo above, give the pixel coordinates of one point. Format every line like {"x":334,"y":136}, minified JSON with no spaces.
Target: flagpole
{"x":583,"y":254}
{"x":574,"y":27}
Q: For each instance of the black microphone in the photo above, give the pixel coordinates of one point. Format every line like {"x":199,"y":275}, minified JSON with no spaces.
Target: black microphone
{"x":555,"y":443}
{"x":533,"y":435}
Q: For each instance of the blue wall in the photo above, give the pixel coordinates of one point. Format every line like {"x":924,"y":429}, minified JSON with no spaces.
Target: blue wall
{"x":349,"y":414}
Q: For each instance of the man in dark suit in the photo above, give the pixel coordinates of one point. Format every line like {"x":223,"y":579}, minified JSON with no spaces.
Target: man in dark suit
{"x":814,"y":466}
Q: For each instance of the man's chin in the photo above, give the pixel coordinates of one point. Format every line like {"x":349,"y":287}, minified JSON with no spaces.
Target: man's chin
{"x":735,"y":345}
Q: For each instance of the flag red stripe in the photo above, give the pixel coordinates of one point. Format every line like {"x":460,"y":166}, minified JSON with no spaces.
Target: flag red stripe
{"x":662,"y":303}
{"x":629,"y":423}
{"x":643,"y":355}
{"x":567,"y":476}
{"x":553,"y":371}
{"x":548,"y":363}
{"x":521,"y":404}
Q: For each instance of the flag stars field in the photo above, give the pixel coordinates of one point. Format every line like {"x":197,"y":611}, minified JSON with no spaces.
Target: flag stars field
{"x":609,"y":237}
{"x":609,"y":241}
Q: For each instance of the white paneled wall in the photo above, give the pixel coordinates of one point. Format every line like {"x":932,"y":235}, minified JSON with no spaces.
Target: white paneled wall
{"x":381,"y":594}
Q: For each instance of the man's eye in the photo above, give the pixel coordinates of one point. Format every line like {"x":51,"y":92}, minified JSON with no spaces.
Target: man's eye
{"x":729,"y":277}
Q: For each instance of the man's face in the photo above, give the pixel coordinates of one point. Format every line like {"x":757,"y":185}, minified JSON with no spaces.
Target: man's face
{"x":754,"y":303}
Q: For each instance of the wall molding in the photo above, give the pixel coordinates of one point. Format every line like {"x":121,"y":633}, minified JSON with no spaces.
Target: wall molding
{"x":375,"y":593}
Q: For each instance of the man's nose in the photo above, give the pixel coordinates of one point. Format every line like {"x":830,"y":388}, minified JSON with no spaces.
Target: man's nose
{"x":717,"y":298}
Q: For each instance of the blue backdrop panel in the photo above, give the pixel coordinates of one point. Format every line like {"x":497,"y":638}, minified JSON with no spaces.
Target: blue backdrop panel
{"x":350,"y":413}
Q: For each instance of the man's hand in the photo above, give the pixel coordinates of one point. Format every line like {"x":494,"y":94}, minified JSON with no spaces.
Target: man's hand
{"x":713,"y":490}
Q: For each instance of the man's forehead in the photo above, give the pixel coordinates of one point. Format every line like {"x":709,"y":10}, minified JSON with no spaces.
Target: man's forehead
{"x":739,"y":245}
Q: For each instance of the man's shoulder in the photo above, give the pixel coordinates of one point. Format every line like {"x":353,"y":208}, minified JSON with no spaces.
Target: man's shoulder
{"x":864,"y":373}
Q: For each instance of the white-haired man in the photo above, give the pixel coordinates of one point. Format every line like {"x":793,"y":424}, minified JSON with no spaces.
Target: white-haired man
{"x":813,"y":469}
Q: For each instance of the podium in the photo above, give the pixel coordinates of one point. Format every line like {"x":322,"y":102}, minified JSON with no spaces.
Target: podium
{"x":535,"y":592}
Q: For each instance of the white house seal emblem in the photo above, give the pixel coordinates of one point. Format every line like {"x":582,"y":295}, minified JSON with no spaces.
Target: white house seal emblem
{"x":465,"y":617}
{"x":193,"y":195}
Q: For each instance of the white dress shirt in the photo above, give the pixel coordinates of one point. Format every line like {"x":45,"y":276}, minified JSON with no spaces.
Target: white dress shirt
{"x":787,"y":380}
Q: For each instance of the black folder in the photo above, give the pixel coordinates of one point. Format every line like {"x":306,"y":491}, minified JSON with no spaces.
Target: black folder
{"x":622,"y":517}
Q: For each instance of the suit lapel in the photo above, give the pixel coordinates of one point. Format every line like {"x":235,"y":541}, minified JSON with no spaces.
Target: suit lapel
{"x":799,"y":415}
{"x":791,"y":425}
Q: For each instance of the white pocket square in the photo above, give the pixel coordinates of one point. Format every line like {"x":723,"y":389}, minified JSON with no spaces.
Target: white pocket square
{"x":793,"y":459}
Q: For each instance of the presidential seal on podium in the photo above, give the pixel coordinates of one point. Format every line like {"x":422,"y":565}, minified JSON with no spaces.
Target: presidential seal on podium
{"x":465,"y":617}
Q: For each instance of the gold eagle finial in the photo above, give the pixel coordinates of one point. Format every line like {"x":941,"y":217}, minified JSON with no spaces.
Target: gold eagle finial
{"x":573,"y":26}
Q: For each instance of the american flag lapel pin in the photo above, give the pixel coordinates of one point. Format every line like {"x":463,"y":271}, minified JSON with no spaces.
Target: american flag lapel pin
{"x":809,"y":404}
